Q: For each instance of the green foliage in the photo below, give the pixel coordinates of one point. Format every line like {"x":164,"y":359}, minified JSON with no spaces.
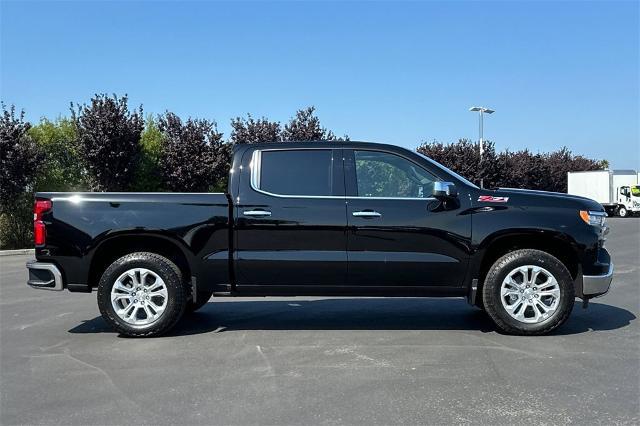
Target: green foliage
{"x":16,"y":222}
{"x":61,"y":169}
{"x":147,"y":177}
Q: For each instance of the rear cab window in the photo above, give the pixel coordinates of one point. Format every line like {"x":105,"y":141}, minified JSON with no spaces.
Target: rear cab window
{"x":297,"y":172}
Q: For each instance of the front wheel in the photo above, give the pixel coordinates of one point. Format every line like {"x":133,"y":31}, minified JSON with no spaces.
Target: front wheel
{"x":622,"y":211}
{"x":141,"y":294}
{"x":528,"y":292}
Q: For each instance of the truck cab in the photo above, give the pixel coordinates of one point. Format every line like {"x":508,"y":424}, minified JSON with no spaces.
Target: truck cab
{"x":628,"y":200}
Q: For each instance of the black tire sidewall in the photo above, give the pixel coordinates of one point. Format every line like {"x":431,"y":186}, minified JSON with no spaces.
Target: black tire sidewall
{"x":503,"y":266}
{"x":621,"y":210}
{"x":175,"y":290}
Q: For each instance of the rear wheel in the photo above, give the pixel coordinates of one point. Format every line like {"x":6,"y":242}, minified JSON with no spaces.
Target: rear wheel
{"x":141,"y":294}
{"x":528,"y":292}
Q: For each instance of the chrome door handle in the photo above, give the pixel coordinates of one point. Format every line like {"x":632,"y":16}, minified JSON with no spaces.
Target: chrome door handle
{"x":366,"y":214}
{"x":256,"y":213}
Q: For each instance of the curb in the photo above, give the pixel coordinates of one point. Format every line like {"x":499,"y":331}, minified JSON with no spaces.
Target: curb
{"x":16,"y":252}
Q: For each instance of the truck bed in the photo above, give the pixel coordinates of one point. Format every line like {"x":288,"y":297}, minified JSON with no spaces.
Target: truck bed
{"x":80,"y":225}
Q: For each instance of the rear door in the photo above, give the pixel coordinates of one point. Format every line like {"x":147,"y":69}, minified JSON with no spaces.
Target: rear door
{"x":398,"y":235}
{"x":291,"y":218}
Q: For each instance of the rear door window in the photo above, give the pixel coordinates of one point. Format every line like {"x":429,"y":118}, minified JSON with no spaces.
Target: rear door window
{"x":302,"y":172}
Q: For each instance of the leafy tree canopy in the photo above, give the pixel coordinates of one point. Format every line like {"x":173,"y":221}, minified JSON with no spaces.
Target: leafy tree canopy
{"x":147,"y":176}
{"x":194,"y":156}
{"x":62,"y":168}
{"x":108,"y":136}
{"x":305,"y":126}
{"x":19,"y":157}
{"x":250,"y":130}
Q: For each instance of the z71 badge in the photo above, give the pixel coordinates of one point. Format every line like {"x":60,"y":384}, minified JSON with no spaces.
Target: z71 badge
{"x":492,"y":199}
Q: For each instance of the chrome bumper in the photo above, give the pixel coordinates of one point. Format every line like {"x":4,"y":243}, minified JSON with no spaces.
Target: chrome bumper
{"x":44,"y":276}
{"x":597,"y":285}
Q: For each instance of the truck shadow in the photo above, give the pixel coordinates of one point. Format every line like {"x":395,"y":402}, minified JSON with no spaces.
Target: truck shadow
{"x":362,"y":314}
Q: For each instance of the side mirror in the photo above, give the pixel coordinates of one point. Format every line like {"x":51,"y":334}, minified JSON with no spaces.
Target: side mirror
{"x":444,"y":190}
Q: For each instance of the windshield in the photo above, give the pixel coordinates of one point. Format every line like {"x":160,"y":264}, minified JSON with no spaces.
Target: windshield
{"x":441,"y":167}
{"x":635,"y":191}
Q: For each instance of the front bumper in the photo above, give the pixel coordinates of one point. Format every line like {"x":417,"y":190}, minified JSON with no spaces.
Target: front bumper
{"x":44,"y":276}
{"x":597,"y":285}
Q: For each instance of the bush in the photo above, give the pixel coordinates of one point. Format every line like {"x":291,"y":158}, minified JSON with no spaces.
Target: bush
{"x":147,"y":176}
{"x":463,"y":158}
{"x":305,"y":126}
{"x":19,"y":160}
{"x":250,"y":130}
{"x":520,"y":169}
{"x":19,"y":156}
{"x":108,"y":136}
{"x":194,"y":157}
{"x":16,"y":223}
{"x":62,"y":168}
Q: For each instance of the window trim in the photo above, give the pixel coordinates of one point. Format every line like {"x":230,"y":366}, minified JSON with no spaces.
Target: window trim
{"x":256,"y":167}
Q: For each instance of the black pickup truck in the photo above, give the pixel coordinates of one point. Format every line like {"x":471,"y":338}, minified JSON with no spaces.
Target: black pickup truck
{"x":324,"y":219}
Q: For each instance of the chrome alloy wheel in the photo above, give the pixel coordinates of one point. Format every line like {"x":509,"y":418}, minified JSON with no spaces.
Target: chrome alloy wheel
{"x":530,"y":294}
{"x":139,"y":296}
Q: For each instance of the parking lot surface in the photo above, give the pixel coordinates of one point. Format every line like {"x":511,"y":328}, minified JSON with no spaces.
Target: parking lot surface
{"x":321,"y":360}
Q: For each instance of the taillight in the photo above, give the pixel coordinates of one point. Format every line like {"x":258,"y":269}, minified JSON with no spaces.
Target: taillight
{"x":39,"y":230}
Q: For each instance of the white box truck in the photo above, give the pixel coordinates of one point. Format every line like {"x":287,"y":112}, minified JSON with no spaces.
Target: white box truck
{"x":617,"y":190}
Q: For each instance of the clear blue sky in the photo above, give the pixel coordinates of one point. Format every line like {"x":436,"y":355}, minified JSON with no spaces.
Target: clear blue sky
{"x":557,"y":73}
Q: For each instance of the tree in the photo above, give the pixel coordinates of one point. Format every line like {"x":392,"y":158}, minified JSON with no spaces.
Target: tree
{"x":108,"y":136}
{"x":463,"y":158}
{"x":62,"y":168}
{"x":520,"y":169}
{"x":19,"y":161}
{"x":147,"y":176}
{"x":19,"y":155}
{"x":563,"y":161}
{"x":194,"y":158}
{"x":250,"y":130}
{"x":305,"y":126}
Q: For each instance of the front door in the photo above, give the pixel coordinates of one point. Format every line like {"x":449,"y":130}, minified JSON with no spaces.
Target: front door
{"x":291,"y":218}
{"x":398,"y":234}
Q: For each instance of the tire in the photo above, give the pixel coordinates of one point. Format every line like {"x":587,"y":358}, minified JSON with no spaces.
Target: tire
{"x":622,"y":212}
{"x":536,"y":308}
{"x":157,"y":280}
{"x":201,"y":300}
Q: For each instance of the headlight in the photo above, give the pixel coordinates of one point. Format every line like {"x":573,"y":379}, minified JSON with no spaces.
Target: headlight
{"x":593,"y":218}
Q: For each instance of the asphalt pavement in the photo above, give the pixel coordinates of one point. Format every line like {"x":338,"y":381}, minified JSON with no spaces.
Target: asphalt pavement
{"x":321,"y":360}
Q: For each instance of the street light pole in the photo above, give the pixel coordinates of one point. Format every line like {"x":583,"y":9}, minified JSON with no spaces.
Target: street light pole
{"x":481,"y":111}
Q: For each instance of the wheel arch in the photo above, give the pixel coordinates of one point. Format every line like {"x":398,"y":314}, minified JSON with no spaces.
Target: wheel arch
{"x":120,"y":245}
{"x":557,"y":244}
